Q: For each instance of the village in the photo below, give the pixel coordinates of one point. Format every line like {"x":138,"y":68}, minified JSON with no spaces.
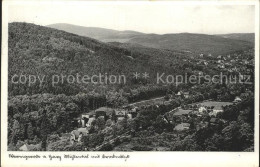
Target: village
{"x":242,"y":62}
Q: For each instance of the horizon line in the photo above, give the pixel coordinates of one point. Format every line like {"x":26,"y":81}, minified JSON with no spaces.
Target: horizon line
{"x":135,"y":30}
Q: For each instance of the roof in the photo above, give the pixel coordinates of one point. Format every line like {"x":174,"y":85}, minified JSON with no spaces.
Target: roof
{"x":90,"y":120}
{"x":120,"y":112}
{"x":213,"y":120}
{"x":185,"y":124}
{"x":237,"y":98}
{"x":89,"y":113}
{"x":24,"y":147}
{"x":105,"y":109}
{"x":182,"y":112}
{"x":30,"y":147}
{"x":218,"y":108}
{"x":182,"y":126}
{"x":84,"y":131}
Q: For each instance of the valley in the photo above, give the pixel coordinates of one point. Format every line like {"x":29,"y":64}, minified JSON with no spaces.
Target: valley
{"x":213,"y":113}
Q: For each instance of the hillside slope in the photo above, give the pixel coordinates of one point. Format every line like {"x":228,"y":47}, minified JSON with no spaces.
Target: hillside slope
{"x":46,"y":52}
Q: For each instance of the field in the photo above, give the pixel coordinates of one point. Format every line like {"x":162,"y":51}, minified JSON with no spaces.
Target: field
{"x":215,"y":103}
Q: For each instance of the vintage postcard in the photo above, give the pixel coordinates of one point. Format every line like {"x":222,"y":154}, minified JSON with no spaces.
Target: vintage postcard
{"x":130,"y":83}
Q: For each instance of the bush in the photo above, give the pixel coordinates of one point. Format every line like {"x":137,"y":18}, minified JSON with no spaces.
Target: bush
{"x":141,"y":148}
{"x":107,"y":147}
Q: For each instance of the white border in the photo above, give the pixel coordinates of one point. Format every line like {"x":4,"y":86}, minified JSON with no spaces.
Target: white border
{"x":199,"y":159}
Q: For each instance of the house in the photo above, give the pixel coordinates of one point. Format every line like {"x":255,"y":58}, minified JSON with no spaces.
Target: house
{"x":214,"y":121}
{"x":85,"y":117}
{"x":31,"y":147}
{"x":88,"y":124}
{"x":133,"y":112}
{"x":216,"y":110}
{"x":84,"y":131}
{"x":108,"y":110}
{"x":129,"y":116}
{"x":186,"y":94}
{"x":120,"y":113}
{"x":246,"y":62}
{"x":234,"y":69}
{"x":202,"y":109}
{"x":88,"y":115}
{"x":237,"y":99}
{"x":179,"y":115}
{"x":219,"y":61}
{"x":182,"y":126}
{"x":179,"y":93}
{"x":221,"y":66}
{"x":103,"y":111}
{"x":198,"y":72}
{"x":77,"y":134}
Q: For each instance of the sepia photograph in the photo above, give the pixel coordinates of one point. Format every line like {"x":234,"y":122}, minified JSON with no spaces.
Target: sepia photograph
{"x":130,"y":77}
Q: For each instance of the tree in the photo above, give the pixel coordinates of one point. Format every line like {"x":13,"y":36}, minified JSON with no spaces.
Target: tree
{"x":113,"y":116}
{"x":44,"y":131}
{"x":215,"y":143}
{"x":94,"y":140}
{"x":160,"y":124}
{"x":232,"y":137}
{"x":30,"y":131}
{"x":109,"y":123}
{"x":59,"y":145}
{"x":100,"y":123}
{"x":187,"y":144}
{"x":122,"y":123}
{"x":246,"y":135}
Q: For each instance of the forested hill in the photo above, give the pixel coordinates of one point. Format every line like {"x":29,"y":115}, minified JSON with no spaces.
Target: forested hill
{"x":39,"y":50}
{"x":195,"y":43}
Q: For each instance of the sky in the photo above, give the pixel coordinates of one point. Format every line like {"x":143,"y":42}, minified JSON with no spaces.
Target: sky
{"x":145,"y":17}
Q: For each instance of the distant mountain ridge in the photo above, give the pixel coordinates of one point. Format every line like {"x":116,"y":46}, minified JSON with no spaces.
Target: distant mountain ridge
{"x":102,"y":34}
{"x":195,"y":43}
{"x":250,"y":37}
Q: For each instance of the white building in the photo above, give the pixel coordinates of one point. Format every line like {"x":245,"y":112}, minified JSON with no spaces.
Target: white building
{"x":202,"y":109}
